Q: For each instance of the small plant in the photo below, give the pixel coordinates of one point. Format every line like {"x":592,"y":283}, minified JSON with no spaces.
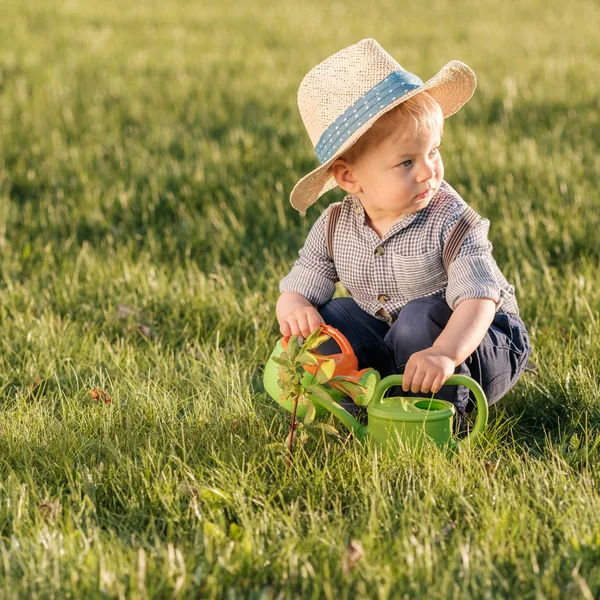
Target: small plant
{"x":291,"y":372}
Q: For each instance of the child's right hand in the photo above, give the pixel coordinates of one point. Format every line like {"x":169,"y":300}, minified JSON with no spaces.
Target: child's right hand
{"x":302,"y":321}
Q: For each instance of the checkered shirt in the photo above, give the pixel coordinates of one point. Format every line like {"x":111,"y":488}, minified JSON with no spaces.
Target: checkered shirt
{"x":403,"y":265}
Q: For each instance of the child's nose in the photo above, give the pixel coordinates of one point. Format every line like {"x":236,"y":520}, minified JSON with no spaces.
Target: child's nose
{"x":427,"y":171}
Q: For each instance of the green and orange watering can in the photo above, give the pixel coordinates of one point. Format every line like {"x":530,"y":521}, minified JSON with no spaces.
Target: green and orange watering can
{"x":391,"y":420}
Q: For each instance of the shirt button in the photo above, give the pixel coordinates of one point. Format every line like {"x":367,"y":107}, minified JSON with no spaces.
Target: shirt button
{"x":382,"y":298}
{"x":357,"y":209}
{"x":379,"y":251}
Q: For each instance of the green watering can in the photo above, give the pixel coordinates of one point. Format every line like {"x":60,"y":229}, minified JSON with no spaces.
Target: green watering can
{"x":391,"y":420}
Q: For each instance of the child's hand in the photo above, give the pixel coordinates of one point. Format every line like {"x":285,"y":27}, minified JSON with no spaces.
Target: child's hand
{"x":427,"y":371}
{"x":302,"y":321}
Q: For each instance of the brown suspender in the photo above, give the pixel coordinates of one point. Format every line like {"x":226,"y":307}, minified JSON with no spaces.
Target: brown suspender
{"x":467,"y":220}
{"x":332,"y":218}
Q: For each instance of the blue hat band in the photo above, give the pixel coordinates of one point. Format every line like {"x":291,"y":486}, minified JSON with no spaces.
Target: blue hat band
{"x":396,"y":84}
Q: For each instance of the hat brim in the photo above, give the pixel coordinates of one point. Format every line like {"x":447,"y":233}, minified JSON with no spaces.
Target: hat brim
{"x":451,"y":87}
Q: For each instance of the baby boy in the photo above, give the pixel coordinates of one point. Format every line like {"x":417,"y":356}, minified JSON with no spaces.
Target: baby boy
{"x":427,"y":298}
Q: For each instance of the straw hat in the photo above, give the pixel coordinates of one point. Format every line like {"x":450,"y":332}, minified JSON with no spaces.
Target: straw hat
{"x":341,"y":98}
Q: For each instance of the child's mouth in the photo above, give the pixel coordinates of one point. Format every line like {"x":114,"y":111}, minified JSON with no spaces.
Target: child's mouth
{"x":424,"y":194}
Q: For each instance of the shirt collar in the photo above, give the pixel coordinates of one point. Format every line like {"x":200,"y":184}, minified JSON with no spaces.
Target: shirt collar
{"x":403,"y":222}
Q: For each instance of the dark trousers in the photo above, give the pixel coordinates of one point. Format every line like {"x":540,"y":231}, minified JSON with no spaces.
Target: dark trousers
{"x":496,"y":364}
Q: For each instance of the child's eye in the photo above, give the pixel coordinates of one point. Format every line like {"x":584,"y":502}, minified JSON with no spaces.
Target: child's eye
{"x":407,"y":163}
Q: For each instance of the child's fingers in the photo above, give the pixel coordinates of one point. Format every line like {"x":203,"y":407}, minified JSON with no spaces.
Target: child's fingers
{"x":292,"y":324}
{"x":416,"y":383}
{"x":285,"y":329}
{"x":440,"y":380}
{"x":407,"y":378}
{"x":427,"y":384}
{"x":437,"y":384}
{"x":315,"y":321}
{"x":295,"y":326}
{"x":303,"y":325}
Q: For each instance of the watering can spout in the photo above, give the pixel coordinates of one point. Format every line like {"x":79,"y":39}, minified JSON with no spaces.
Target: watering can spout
{"x":360,"y":431}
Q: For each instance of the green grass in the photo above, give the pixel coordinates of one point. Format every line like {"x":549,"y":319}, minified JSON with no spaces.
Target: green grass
{"x":147,"y":152}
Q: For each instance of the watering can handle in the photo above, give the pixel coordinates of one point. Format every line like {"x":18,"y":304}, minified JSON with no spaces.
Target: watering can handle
{"x":482,"y":407}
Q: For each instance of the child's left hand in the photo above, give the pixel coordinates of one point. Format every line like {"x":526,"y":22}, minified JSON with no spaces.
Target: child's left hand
{"x":427,"y":371}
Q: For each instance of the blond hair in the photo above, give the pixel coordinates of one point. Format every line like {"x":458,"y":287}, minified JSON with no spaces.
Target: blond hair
{"x":410,"y":117}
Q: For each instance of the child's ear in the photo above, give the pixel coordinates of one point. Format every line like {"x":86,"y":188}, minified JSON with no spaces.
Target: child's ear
{"x":345,"y":177}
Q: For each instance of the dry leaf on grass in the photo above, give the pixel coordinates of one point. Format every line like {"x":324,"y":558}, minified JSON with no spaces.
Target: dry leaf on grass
{"x":49,"y":510}
{"x":99,"y":395}
{"x":491,"y":467}
{"x":354,"y":552}
{"x":145,"y":331}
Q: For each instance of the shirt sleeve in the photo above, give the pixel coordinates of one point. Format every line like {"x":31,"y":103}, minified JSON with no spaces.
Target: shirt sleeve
{"x":474,"y":272}
{"x":313,"y":275}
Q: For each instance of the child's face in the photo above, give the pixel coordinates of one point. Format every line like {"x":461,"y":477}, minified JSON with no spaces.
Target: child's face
{"x":392,"y":177}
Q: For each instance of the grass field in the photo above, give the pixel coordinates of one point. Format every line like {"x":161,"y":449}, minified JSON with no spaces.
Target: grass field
{"x":147,"y":152}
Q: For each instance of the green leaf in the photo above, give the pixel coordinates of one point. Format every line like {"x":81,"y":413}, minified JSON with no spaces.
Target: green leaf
{"x":311,"y":413}
{"x":315,"y":339}
{"x":306,"y":358}
{"x":281,"y":359}
{"x":325,"y":371}
{"x":329,"y":430}
{"x":349,"y":386}
{"x":293,"y":347}
{"x":309,"y":342}
{"x":369,"y":382}
{"x":321,"y":340}
{"x":321,"y":392}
